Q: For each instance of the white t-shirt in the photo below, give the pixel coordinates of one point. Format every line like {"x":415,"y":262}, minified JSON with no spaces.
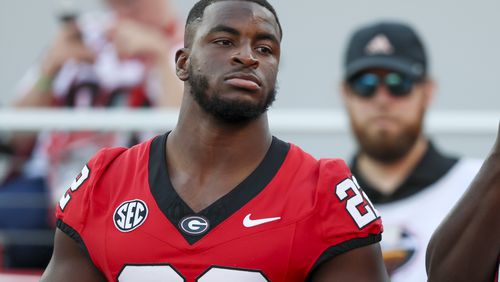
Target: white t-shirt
{"x":410,"y":222}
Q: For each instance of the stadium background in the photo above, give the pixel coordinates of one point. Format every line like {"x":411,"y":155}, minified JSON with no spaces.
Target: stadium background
{"x":462,"y":39}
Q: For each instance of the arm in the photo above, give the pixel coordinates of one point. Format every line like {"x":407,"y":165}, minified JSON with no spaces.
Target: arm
{"x":359,"y":265}
{"x":466,"y":246}
{"x":70,"y":263}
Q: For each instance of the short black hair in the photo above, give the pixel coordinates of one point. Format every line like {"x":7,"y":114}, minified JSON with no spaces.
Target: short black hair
{"x":196,"y":14}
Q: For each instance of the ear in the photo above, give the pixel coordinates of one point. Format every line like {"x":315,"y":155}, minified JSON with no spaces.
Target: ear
{"x":181,"y":64}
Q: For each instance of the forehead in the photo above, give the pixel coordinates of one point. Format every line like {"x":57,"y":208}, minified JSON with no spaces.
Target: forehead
{"x":239,"y":14}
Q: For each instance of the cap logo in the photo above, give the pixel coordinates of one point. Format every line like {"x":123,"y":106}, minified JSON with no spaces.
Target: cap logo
{"x":379,"y":45}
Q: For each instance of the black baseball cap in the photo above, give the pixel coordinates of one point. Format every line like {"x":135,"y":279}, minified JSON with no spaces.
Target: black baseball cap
{"x":392,"y":45}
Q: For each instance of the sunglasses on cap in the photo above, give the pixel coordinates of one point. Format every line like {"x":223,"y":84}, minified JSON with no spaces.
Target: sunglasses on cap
{"x":365,"y":84}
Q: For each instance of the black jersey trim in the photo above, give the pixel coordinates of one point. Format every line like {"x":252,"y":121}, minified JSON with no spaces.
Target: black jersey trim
{"x":73,"y":234}
{"x":175,"y":209}
{"x":429,"y":169}
{"x":341,"y":248}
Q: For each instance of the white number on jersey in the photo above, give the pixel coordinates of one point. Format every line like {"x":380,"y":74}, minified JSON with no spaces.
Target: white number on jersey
{"x":157,"y":273}
{"x":355,"y":201}
{"x":79,"y":180}
{"x":149,"y":273}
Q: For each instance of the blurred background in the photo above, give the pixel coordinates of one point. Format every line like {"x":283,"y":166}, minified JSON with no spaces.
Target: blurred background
{"x":462,"y":40}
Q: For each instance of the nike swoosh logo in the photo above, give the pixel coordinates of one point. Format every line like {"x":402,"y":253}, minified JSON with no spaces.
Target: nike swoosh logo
{"x":247,"y":222}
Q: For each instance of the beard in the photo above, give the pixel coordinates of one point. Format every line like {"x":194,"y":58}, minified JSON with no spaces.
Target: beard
{"x":385,"y":147}
{"x":227,"y":110}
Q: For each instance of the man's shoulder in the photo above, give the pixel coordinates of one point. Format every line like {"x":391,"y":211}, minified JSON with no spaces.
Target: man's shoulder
{"x":101,"y":172}
{"x":305,"y":158}
{"x":334,"y":165}
{"x":308,"y":180}
{"x":321,"y":171}
{"x":121,"y":156}
{"x":329,"y":194}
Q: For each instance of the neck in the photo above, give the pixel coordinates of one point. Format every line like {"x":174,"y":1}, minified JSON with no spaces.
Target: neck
{"x":207,"y":143}
{"x":387,"y":177}
{"x":207,"y":158}
{"x":202,"y":139}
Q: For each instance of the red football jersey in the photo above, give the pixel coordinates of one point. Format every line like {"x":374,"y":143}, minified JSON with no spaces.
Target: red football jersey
{"x":288,"y":216}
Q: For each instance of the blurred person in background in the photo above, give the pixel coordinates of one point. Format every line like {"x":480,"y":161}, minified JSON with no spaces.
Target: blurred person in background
{"x":123,"y":57}
{"x":387,"y":91}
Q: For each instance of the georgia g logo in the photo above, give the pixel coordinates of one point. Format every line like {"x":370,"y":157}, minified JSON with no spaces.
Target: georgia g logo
{"x":130,"y":215}
{"x":194,"y":225}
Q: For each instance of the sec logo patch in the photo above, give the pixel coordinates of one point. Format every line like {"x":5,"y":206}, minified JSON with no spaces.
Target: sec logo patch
{"x":130,"y":215}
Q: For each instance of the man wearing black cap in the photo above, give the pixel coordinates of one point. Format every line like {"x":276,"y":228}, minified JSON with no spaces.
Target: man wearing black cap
{"x":387,"y":91}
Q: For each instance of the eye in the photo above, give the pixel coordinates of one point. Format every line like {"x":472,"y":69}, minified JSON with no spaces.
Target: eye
{"x":223,"y":42}
{"x":264,"y":50}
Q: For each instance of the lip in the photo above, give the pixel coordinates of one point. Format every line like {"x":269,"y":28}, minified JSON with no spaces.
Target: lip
{"x":243,"y":80}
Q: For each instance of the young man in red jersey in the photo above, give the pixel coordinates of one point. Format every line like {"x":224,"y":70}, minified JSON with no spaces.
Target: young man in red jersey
{"x":218,"y":198}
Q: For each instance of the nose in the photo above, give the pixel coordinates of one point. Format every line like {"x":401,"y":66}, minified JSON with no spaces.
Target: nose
{"x":382,"y":93}
{"x":245,"y":56}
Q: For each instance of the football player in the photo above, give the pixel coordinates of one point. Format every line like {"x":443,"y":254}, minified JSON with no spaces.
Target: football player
{"x":219,"y":198}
